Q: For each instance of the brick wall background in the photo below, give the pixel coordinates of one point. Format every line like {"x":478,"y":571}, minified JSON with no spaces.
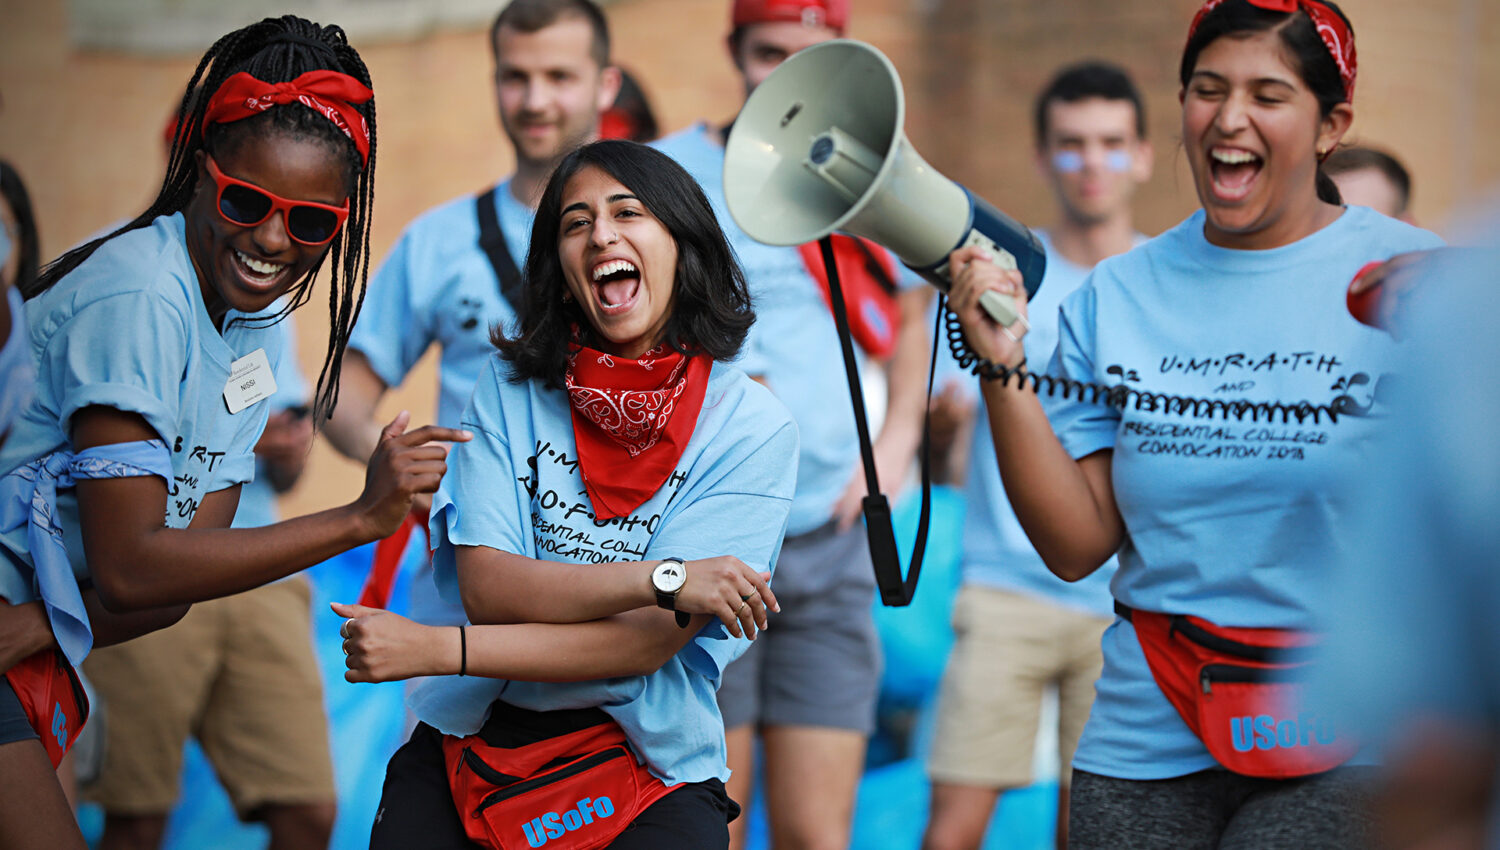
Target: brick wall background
{"x":83,"y":126}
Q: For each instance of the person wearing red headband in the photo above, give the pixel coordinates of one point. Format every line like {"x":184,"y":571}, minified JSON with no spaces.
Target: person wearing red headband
{"x":123,"y":473}
{"x":455,"y":271}
{"x":1226,"y":517}
{"x":808,"y":689}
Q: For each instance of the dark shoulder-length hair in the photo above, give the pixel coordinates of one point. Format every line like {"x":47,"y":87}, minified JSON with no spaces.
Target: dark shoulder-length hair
{"x":711,"y":314}
{"x":1299,"y":38}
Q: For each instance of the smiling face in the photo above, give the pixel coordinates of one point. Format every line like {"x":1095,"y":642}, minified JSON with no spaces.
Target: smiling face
{"x":1093,"y":157}
{"x":246,"y":268}
{"x":1252,"y":132}
{"x":550,"y":89}
{"x":619,"y":262}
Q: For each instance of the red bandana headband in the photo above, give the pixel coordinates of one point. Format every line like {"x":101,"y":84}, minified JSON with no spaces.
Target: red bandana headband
{"x":1331,"y":29}
{"x":329,"y":93}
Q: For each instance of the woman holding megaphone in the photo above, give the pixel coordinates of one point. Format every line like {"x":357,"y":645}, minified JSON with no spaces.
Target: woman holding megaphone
{"x":1225,"y":526}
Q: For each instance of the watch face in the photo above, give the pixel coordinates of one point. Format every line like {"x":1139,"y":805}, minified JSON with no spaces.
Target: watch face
{"x":669,"y":576}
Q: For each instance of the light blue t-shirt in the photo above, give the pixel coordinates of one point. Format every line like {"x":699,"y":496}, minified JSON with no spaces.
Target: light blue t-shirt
{"x":997,"y":552}
{"x":257,"y":506}
{"x":1236,"y":522}
{"x":128,"y":329}
{"x":516,"y":487}
{"x":437,"y":286}
{"x":793,"y":345}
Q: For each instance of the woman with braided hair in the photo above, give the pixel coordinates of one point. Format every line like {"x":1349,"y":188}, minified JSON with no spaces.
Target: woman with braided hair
{"x":123,"y":473}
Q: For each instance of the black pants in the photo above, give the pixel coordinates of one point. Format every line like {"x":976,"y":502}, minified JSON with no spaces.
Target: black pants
{"x":1219,"y":810}
{"x":416,"y":808}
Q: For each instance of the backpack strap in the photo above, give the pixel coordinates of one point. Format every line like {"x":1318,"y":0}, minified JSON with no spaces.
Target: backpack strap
{"x":492,"y":242}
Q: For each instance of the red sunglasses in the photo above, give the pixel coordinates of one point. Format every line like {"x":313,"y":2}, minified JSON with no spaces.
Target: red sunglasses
{"x":247,"y":205}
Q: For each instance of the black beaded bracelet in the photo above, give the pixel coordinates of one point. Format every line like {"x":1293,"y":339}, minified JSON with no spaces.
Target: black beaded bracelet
{"x":463,"y":652}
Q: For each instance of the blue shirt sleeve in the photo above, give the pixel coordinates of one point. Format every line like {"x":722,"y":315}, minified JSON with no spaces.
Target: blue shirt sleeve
{"x":482,"y":465}
{"x":394,"y":326}
{"x":135,"y":366}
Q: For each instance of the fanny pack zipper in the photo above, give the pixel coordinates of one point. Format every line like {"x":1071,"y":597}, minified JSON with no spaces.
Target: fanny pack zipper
{"x":1238,"y":674}
{"x":518,"y":788}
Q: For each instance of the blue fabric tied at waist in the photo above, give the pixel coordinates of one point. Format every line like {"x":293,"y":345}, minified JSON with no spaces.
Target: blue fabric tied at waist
{"x":28,"y":496}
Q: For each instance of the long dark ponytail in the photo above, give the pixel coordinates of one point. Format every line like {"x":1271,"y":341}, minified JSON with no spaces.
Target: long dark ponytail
{"x":1319,"y":71}
{"x":273,"y":50}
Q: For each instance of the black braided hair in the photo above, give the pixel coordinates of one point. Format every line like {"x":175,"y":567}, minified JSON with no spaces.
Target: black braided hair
{"x":273,"y":50}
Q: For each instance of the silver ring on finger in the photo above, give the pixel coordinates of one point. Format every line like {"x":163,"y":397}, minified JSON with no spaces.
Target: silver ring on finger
{"x":345,"y":648}
{"x":745,"y":603}
{"x":344,"y":629}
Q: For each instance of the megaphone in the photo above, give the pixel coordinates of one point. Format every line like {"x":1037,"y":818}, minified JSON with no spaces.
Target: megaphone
{"x":818,"y":147}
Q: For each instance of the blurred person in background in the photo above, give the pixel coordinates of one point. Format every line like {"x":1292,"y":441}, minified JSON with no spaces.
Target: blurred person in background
{"x":630,"y":117}
{"x":455,"y":271}
{"x":19,"y":265}
{"x":1019,"y":629}
{"x":1414,"y":649}
{"x":807,"y":688}
{"x":1370,"y":177}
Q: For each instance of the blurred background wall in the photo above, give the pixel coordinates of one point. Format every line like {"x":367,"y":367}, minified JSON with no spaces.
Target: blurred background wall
{"x":86,"y":86}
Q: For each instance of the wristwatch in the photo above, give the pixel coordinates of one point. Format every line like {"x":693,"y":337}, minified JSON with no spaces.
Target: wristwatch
{"x":667,"y":579}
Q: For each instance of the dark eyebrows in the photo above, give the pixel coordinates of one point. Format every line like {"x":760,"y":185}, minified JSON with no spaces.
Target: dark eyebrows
{"x":613,"y":199}
{"x":1258,"y":81}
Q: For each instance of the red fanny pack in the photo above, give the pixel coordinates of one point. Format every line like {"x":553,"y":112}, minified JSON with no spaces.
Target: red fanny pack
{"x":577,"y":790}
{"x":867,"y":277}
{"x":1239,"y":691}
{"x":53,"y":699}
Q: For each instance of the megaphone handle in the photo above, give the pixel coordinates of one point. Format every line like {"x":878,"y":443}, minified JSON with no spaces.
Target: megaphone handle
{"x":1001,"y":307}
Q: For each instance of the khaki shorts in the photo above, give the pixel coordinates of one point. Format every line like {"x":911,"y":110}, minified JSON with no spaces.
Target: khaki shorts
{"x":239,"y":674}
{"x":1008,"y":649}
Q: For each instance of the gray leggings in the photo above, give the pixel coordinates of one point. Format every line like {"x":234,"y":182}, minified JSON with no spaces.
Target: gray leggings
{"x":1219,"y":810}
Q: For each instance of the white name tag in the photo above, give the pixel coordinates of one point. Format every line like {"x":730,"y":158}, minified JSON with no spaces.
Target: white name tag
{"x":250,"y":380}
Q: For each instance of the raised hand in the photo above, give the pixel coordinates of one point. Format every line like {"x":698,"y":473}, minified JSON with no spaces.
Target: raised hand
{"x":730,"y":590}
{"x":404,"y":465}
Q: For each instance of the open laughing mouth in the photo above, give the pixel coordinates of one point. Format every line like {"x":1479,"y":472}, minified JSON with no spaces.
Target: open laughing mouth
{"x":1233,"y":172}
{"x":617,"y":285}
{"x":258,"y":275}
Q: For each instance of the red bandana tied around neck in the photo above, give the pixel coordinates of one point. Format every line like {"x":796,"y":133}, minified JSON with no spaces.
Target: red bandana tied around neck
{"x":329,"y":93}
{"x":632,"y":419}
{"x":1331,"y":29}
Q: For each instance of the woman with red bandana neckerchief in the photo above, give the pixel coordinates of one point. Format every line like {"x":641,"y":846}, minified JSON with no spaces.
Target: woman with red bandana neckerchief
{"x":124,"y":471}
{"x":1227,"y":527}
{"x":619,"y":467}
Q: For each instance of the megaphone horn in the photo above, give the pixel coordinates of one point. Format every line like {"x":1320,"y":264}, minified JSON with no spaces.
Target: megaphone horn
{"x":818,"y":147}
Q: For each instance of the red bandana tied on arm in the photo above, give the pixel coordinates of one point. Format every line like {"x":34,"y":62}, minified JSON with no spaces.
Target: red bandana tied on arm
{"x":329,"y":93}
{"x":1331,"y":28}
{"x":632,"y":419}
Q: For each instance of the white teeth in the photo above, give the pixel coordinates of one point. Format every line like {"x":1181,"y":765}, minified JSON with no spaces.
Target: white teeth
{"x":258,"y":266}
{"x":1233,"y":157}
{"x":613,"y":267}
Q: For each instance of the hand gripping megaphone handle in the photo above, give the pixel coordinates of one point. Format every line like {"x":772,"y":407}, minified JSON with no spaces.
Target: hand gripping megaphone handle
{"x":1001,"y":307}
